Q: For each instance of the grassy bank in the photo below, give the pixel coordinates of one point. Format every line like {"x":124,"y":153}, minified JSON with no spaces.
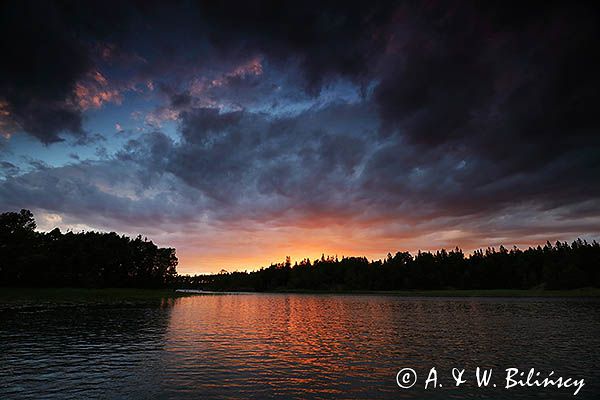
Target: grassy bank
{"x":83,"y":295}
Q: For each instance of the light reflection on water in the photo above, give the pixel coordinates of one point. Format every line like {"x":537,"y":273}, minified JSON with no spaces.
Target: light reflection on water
{"x":292,"y":346}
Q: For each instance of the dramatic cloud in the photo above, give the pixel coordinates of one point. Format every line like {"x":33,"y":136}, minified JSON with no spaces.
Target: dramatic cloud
{"x":327,"y":40}
{"x":48,"y":77}
{"x":241,"y":133}
{"x":40,"y":70}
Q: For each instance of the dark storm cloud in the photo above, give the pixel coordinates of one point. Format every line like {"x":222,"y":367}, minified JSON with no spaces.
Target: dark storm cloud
{"x":327,"y":39}
{"x":228,"y":166}
{"x":250,"y":165}
{"x":8,"y":169}
{"x":41,"y":63}
{"x":181,"y":100}
{"x":244,"y":168}
{"x":471,"y":116}
{"x":51,"y":46}
{"x":508,"y":98}
{"x":46,"y":49}
{"x":113,"y":189}
{"x":456,"y":74}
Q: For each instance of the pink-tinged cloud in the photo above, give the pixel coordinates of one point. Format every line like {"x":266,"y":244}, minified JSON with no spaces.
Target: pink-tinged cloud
{"x":200,"y":86}
{"x":157,"y":117}
{"x":252,"y":67}
{"x":94,"y":90}
{"x":200,"y":90}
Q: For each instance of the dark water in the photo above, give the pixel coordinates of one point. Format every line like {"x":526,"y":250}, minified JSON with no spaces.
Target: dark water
{"x":295,"y":346}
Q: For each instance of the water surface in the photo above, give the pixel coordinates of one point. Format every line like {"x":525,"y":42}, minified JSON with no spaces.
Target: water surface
{"x":294,"y":346}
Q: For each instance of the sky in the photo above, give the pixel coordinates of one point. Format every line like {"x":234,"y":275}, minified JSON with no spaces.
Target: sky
{"x":244,"y":132}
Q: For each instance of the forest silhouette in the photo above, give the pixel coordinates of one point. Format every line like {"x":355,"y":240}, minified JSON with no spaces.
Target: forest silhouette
{"x":85,"y":259}
{"x":559,"y":266}
{"x":94,"y":259}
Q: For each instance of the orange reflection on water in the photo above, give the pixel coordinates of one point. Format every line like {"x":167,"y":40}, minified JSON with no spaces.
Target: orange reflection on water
{"x":319,"y":346}
{"x":283,"y":343}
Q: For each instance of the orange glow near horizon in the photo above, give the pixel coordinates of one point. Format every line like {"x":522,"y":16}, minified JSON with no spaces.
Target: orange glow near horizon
{"x":251,"y":245}
{"x":243,"y":250}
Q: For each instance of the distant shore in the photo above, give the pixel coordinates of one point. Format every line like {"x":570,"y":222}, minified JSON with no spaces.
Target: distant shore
{"x":32,"y":296}
{"x":85,"y":295}
{"x":582,"y":292}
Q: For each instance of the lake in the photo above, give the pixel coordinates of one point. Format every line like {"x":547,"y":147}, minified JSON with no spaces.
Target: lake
{"x":304,"y":346}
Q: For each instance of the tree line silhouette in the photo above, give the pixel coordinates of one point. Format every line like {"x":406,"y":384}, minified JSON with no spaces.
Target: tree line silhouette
{"x":94,"y":259}
{"x":86,"y":259}
{"x":558,"y":266}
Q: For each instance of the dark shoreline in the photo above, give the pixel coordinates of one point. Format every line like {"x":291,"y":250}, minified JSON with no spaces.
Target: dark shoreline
{"x":82,"y":296}
{"x":16,"y":295}
{"x":582,"y":292}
